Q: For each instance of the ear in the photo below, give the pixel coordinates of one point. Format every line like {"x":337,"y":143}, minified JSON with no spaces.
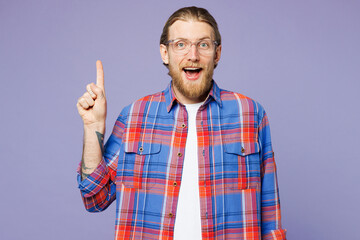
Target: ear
{"x":164,"y":53}
{"x":217,"y":54}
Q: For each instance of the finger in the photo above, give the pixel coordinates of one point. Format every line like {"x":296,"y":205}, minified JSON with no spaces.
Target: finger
{"x":99,"y":92}
{"x":82,"y":102}
{"x":99,"y":75}
{"x":88,"y":89}
{"x":80,"y":108}
{"x":89,"y":100}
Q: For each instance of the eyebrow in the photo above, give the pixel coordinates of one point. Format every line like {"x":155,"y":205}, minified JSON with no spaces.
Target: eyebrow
{"x":199,"y":39}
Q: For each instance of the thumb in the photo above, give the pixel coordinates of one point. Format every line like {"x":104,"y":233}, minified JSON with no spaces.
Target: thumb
{"x":100,"y":75}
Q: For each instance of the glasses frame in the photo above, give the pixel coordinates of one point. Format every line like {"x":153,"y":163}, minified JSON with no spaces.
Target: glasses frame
{"x":191,"y":43}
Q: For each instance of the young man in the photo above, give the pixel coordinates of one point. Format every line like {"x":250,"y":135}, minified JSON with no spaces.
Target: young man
{"x":191,"y":162}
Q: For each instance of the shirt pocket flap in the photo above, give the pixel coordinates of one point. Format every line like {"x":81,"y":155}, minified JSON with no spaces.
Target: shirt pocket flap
{"x":142,"y":148}
{"x":242,"y":148}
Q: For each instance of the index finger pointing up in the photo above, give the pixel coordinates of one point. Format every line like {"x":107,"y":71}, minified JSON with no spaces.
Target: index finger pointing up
{"x":99,"y":75}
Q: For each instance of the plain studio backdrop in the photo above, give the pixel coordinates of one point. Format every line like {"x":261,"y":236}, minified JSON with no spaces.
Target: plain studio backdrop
{"x":299,"y":59}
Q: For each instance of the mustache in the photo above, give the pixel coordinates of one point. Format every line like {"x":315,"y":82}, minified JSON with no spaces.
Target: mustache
{"x":193,"y":65}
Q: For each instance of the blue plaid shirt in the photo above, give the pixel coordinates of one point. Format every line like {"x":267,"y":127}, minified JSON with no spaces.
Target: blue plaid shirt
{"x":143,"y":159}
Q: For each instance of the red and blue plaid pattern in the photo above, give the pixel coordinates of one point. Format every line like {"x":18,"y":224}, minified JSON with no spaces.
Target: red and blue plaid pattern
{"x":143,"y":161}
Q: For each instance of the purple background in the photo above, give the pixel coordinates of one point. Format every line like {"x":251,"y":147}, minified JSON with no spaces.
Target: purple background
{"x":300,"y":59}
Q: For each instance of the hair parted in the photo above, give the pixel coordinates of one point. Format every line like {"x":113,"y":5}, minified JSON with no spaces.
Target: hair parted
{"x":190,"y":13}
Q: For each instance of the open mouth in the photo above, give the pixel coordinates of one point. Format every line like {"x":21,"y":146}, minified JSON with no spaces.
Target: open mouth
{"x":192,"y":73}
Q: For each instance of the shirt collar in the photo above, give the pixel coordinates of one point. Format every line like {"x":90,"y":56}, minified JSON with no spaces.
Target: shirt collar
{"x":170,"y":97}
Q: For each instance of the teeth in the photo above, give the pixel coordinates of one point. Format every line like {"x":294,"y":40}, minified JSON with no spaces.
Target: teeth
{"x":191,"y":69}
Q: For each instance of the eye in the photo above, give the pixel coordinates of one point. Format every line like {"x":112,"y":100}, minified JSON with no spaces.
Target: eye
{"x":180,"y":44}
{"x":204,"y":44}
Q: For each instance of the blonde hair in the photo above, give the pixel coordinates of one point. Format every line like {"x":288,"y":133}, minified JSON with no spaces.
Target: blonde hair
{"x":190,"y":13}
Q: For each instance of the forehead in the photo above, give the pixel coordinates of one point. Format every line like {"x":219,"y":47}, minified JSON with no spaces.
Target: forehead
{"x":191,"y":30}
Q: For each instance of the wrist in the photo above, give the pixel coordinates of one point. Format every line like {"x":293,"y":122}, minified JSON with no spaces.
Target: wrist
{"x":95,"y":127}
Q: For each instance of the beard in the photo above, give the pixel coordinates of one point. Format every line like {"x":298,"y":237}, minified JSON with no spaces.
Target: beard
{"x":197,"y":89}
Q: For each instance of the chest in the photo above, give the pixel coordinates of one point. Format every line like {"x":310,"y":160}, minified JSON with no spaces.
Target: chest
{"x":153,"y":149}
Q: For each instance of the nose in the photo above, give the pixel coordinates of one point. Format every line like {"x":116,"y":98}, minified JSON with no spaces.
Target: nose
{"x":193,"y":54}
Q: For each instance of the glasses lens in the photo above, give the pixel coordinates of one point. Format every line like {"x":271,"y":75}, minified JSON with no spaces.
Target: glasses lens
{"x":181,"y":45}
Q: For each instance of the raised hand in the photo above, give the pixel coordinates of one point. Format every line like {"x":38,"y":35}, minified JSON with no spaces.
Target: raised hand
{"x":92,"y":104}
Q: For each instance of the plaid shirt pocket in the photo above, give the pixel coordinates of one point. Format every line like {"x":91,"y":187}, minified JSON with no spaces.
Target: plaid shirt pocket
{"x":242,"y":165}
{"x":140,"y":164}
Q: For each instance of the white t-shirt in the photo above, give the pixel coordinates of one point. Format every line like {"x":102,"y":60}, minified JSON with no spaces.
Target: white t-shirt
{"x":188,"y":220}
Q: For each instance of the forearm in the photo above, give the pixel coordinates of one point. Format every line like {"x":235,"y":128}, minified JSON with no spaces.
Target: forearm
{"x":93,"y":148}
{"x":98,"y":189}
{"x":270,"y":206}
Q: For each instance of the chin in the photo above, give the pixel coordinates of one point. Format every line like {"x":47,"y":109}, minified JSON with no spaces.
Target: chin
{"x":193,"y":89}
{"x":196,"y":86}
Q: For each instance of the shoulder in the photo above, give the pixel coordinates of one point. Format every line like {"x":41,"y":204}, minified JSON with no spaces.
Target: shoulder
{"x":245,"y":104}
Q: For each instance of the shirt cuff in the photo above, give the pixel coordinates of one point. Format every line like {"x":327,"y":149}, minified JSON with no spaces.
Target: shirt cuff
{"x":95,"y":181}
{"x":278,"y":234}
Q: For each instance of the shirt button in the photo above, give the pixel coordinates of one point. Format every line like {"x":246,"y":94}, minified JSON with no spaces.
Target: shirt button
{"x":179,"y":154}
{"x":141,"y":149}
{"x":174,"y":184}
{"x":183,"y":125}
{"x":171,"y":215}
{"x":242,"y":150}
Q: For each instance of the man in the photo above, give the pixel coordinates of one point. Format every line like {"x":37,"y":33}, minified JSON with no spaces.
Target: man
{"x":191,"y":162}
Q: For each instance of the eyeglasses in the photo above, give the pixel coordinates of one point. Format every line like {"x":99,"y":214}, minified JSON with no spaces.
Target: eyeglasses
{"x":183,"y":46}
